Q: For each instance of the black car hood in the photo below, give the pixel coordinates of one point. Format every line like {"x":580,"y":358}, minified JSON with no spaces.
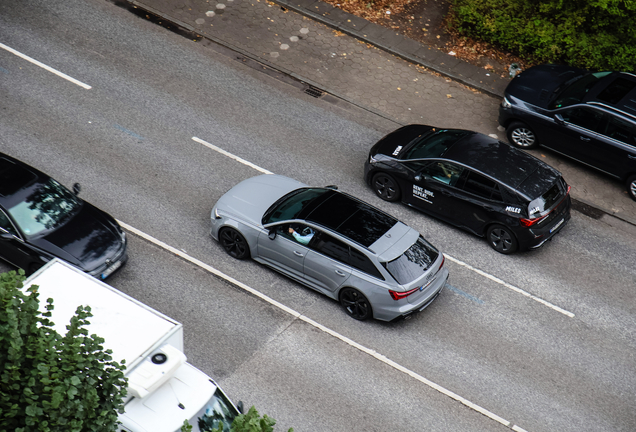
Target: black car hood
{"x":85,"y":240}
{"x":537,"y":84}
{"x":399,"y":139}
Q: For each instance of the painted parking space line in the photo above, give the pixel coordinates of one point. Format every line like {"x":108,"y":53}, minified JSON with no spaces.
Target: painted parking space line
{"x":43,"y":66}
{"x":315,"y":324}
{"x":455,"y":260}
{"x":464,"y":294}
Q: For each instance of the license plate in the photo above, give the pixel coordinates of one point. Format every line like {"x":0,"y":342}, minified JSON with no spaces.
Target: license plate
{"x":557,"y":225}
{"x":110,"y":269}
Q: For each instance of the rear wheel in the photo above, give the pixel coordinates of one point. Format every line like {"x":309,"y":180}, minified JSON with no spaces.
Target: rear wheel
{"x":234,"y":243}
{"x":520,"y":135}
{"x":631,"y":187}
{"x":355,"y":304}
{"x":502,"y":239}
{"x":386,"y":187}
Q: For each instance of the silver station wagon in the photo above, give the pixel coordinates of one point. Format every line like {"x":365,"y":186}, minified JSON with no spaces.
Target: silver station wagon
{"x":373,"y":264}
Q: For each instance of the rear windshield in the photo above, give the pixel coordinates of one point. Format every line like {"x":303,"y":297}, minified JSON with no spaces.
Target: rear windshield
{"x":413,"y":263}
{"x":434,"y":144}
{"x":548,"y":199}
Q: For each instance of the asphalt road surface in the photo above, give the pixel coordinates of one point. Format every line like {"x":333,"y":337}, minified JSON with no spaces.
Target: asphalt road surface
{"x":538,"y":341}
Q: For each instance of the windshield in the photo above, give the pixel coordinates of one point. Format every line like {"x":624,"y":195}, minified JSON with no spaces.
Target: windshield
{"x":217,"y":411}
{"x":412,"y":264}
{"x":434,"y":144}
{"x":45,"y":208}
{"x":575,"y":89}
{"x":291,"y":205}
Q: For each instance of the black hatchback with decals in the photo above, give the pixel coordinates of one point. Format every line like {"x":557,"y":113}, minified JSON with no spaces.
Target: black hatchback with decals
{"x":472,"y":181}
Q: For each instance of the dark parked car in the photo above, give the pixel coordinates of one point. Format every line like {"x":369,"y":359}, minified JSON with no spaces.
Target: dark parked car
{"x":472,"y":181}
{"x":586,"y":116}
{"x":40,"y":219}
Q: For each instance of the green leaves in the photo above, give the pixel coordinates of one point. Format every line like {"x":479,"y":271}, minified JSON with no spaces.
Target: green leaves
{"x":49,"y":382}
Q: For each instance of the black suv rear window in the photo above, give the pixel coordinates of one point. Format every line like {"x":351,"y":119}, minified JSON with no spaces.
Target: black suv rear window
{"x":412,"y":263}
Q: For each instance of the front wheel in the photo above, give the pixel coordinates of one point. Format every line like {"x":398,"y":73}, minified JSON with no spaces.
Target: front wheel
{"x":520,"y":135}
{"x":234,"y":243}
{"x":386,"y":187}
{"x":502,"y":239}
{"x":355,"y":304}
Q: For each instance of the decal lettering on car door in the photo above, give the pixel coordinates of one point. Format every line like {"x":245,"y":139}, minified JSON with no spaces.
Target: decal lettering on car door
{"x":513,"y":209}
{"x":423,"y":194}
{"x":397,"y":150}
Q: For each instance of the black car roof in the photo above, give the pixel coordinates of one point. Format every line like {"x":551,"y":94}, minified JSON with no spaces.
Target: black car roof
{"x":17,"y":180}
{"x":349,"y":217}
{"x":500,"y":161}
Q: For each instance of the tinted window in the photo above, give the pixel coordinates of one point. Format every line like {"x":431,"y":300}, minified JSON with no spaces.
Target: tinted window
{"x":444,"y":172}
{"x":6,"y":224}
{"x":584,"y":117}
{"x":363,"y":263}
{"x":292,"y":204}
{"x":482,"y":186}
{"x":13,"y":177}
{"x":412,"y":263}
{"x":575,"y":90}
{"x":299,"y":233}
{"x":617,"y":90}
{"x":622,"y":131}
{"x":331,"y":247}
{"x":548,"y":199}
{"x":435,"y":144}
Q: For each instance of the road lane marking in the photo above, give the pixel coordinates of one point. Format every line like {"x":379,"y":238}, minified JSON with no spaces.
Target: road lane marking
{"x":298,"y":315}
{"x":129,"y":132}
{"x":510,"y":286}
{"x":48,"y":68}
{"x":455,"y":260}
{"x":465,"y":294}
{"x":231,"y":156}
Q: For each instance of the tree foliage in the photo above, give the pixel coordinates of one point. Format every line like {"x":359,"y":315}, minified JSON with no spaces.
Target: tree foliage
{"x":593,"y":34}
{"x":49,"y":382}
{"x":249,"y":422}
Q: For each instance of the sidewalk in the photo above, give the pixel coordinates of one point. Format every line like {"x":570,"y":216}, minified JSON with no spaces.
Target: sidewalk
{"x":375,"y":68}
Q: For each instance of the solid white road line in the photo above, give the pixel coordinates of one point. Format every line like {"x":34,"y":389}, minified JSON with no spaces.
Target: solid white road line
{"x":48,"y":68}
{"x":455,"y":260}
{"x":321,"y":327}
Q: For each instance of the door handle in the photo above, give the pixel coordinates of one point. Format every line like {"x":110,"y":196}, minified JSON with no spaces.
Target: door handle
{"x":300,"y":254}
{"x":339,"y":273}
{"x":586,"y":139}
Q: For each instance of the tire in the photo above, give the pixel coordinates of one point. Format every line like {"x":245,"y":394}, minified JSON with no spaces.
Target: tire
{"x":502,"y":239}
{"x":234,"y":243}
{"x":631,"y":187}
{"x":355,"y":304}
{"x":520,"y":135}
{"x":386,"y":187}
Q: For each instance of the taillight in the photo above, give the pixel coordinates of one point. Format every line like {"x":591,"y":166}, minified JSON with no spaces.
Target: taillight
{"x":529,"y":222}
{"x":442,"y":264}
{"x":400,"y":295}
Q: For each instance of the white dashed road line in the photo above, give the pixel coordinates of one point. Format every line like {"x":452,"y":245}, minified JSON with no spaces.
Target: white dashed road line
{"x":321,"y":327}
{"x":48,"y":68}
{"x":455,"y":260}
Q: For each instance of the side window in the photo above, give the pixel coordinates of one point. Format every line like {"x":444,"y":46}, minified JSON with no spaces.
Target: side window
{"x":297,"y":232}
{"x":364,"y":264}
{"x":585,"y":117}
{"x":482,"y":186}
{"x":622,"y":131}
{"x":6,"y":224}
{"x":416,"y":165}
{"x":444,"y":172}
{"x":331,"y":247}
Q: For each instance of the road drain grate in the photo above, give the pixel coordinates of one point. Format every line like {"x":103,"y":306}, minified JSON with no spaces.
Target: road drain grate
{"x":314,"y":92}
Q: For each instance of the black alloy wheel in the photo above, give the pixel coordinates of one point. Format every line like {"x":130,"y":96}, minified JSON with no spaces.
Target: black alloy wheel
{"x":502,"y":239}
{"x":631,"y":187}
{"x":520,"y":135}
{"x":386,"y":187}
{"x":355,"y":303}
{"x":234,"y":243}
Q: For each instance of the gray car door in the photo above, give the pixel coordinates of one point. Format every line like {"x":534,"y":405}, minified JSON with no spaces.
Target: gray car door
{"x":327,"y":263}
{"x":283,"y":252}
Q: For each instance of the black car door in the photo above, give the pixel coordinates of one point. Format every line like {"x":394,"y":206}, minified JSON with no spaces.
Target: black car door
{"x":617,"y":152}
{"x":434,"y":189}
{"x":12,"y":248}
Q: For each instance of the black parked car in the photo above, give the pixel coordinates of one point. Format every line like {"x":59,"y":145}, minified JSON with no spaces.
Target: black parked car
{"x":472,"y":181}
{"x":587,"y":116}
{"x":40,"y":219}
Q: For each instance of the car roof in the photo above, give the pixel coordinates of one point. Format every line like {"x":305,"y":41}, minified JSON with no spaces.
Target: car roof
{"x":617,"y":91}
{"x":17,"y":179}
{"x":495,"y":159}
{"x":354,"y":219}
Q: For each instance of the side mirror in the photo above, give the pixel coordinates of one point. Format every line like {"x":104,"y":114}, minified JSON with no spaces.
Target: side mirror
{"x":77,"y":188}
{"x":240,"y":407}
{"x":558,"y":118}
{"x":418,"y":178}
{"x":272,"y":234}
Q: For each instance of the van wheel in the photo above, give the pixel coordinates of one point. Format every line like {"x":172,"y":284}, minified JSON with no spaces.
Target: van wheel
{"x":631,"y":187}
{"x":355,"y":304}
{"x":386,"y":187}
{"x":502,"y":239}
{"x":234,"y":243}
{"x":520,"y":135}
